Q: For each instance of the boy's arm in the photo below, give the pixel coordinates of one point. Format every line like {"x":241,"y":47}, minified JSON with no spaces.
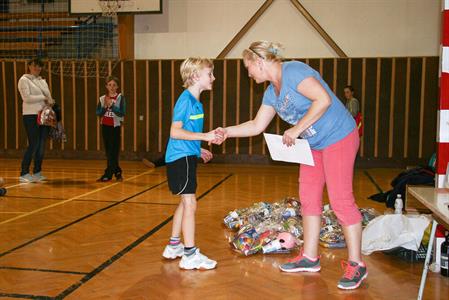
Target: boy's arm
{"x":100,"y":109}
{"x":178,"y":133}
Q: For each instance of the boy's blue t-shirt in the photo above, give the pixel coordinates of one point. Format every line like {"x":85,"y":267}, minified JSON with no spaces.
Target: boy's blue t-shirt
{"x":190,"y":112}
{"x":335,"y":124}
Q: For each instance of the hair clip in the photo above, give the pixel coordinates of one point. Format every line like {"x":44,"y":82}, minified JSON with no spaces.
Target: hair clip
{"x":260,"y":56}
{"x":273,"y":50}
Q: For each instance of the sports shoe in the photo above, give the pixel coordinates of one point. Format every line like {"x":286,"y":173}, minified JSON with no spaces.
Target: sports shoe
{"x":104,"y":178}
{"x":197,"y":261}
{"x":301,"y":263}
{"x":354,"y":275}
{"x":118,"y":176}
{"x":148,"y":163}
{"x":27,"y":178}
{"x":172,"y":252}
{"x":39,"y":177}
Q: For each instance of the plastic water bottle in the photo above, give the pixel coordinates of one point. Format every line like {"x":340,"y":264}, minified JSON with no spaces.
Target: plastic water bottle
{"x":398,"y":205}
{"x":444,"y":257}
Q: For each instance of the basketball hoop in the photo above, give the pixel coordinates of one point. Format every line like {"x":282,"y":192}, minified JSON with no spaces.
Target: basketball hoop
{"x":110,"y":7}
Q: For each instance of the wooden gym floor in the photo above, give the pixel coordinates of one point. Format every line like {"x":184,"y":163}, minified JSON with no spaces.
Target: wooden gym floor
{"x":74,"y":238}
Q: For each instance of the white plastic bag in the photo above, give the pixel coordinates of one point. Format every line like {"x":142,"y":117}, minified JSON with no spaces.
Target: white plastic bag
{"x":391,"y":231}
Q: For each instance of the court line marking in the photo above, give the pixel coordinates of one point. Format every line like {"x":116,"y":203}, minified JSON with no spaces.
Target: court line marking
{"x":71,"y":199}
{"x":26,"y":296}
{"x":86,"y":171}
{"x":371,"y":178}
{"x":128,"y":202}
{"x":128,"y":248}
{"x":14,"y":185}
{"x":79,"y":220}
{"x":42,"y":270}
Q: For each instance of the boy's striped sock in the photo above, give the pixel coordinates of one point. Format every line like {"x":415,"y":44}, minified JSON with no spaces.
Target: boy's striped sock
{"x":174,"y":241}
{"x":188,"y":251}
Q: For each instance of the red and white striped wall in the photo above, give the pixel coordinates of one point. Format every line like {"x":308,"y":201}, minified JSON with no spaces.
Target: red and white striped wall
{"x":443,"y":110}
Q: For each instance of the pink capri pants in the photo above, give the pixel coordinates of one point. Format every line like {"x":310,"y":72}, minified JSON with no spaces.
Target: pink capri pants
{"x":334,"y":166}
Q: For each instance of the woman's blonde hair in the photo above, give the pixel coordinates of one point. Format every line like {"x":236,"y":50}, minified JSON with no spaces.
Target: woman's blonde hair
{"x":265,"y":50}
{"x":192,"y":66}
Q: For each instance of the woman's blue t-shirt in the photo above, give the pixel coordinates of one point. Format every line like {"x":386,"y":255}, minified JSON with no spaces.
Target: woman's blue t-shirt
{"x":335,"y":124}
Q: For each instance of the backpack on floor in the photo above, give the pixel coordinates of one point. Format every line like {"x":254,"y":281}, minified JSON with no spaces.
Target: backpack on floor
{"x":416,"y":176}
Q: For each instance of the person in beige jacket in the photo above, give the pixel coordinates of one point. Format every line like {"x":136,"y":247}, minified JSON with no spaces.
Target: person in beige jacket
{"x":35,"y":95}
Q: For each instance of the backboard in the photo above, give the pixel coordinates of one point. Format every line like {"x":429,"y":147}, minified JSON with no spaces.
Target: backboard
{"x":126,"y":6}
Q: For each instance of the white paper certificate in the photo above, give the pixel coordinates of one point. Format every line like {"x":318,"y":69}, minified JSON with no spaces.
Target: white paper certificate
{"x":298,"y":153}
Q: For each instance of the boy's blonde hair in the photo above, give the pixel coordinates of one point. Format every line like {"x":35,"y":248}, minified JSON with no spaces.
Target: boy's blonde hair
{"x":265,"y":50}
{"x":192,"y":66}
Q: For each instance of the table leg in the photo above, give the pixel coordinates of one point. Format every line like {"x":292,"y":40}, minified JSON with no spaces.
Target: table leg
{"x":427,"y":262}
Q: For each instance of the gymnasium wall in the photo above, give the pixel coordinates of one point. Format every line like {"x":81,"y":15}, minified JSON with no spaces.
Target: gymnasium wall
{"x":398,"y":98}
{"x":367,"y":28}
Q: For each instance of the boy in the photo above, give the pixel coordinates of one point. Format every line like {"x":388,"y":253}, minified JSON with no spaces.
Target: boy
{"x":183,"y":149}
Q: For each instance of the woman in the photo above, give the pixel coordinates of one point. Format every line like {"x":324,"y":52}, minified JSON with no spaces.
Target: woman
{"x":35,"y":95}
{"x":298,"y":94}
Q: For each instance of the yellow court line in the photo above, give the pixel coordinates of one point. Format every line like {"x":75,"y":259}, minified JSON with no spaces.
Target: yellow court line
{"x":14,"y":185}
{"x":48,"y":180}
{"x":71,"y":199}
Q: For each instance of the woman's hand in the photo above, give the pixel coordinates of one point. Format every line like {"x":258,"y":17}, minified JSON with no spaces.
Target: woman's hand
{"x":290,"y":135}
{"x":206,"y":155}
{"x":221,"y":134}
{"x":49,"y":101}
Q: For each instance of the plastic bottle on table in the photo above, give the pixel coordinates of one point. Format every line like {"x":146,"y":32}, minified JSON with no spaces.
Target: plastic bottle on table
{"x":398,"y":205}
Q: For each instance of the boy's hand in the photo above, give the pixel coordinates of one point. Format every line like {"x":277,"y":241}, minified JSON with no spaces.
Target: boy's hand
{"x":206,"y":155}
{"x":221,"y":135}
{"x":218,"y":138}
{"x":209,"y":137}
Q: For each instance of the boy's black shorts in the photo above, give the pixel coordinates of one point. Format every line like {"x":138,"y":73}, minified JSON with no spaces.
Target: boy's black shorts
{"x":181,"y":175}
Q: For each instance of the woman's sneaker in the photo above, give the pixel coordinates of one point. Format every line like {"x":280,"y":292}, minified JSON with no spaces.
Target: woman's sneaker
{"x":354,"y":275}
{"x":197,"y":261}
{"x":172,"y":252}
{"x":27,"y":178}
{"x":301,"y":263}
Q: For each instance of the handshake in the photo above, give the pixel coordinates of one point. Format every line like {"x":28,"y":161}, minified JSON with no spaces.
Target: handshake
{"x":216,"y":136}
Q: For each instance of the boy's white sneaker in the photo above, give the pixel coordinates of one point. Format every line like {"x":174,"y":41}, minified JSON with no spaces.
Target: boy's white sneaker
{"x":197,"y":261}
{"x":171,"y":252}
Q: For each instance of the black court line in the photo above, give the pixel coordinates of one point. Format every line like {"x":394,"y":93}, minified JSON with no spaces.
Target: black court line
{"x":25,"y":296}
{"x":43,"y":270}
{"x":371,"y":178}
{"x":128,"y":202}
{"x":128,"y":248}
{"x":78,"y":220}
